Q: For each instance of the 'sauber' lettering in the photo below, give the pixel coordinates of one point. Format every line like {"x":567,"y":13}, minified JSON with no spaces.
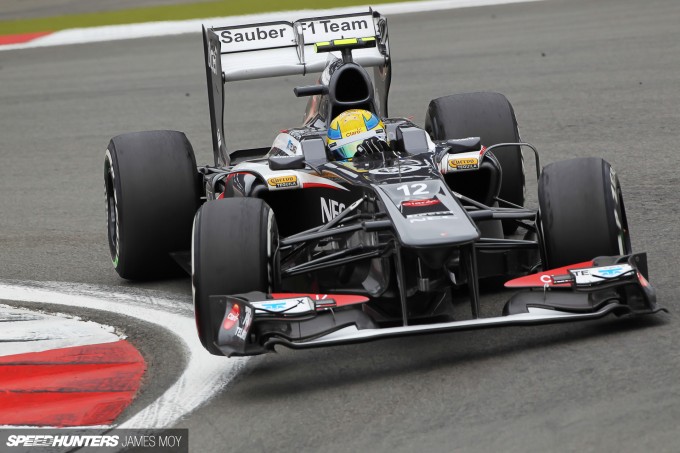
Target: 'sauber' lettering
{"x":230,"y":36}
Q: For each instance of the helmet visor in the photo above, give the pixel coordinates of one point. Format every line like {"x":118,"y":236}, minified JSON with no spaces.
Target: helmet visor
{"x":346,"y":151}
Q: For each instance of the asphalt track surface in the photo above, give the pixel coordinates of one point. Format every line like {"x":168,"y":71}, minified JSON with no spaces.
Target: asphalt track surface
{"x":585,"y":78}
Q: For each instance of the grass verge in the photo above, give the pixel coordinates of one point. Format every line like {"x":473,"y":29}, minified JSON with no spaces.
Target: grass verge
{"x":170,"y":12}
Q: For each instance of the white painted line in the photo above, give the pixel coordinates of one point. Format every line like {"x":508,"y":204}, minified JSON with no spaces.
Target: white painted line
{"x":167,"y":28}
{"x":23,"y":331}
{"x":205,"y":375}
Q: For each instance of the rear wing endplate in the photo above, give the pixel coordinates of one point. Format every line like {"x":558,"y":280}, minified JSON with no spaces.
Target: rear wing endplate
{"x":281,"y":48}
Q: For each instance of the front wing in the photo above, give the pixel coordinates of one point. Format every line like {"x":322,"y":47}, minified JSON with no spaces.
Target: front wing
{"x":256,"y":323}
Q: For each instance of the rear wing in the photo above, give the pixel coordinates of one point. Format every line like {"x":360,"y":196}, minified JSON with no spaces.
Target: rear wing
{"x":281,"y":48}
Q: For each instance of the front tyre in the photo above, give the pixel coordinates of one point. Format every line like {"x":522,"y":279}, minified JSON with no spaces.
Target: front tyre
{"x":581,"y":212}
{"x":152,"y":194}
{"x":235,"y":250}
{"x":491,"y":117}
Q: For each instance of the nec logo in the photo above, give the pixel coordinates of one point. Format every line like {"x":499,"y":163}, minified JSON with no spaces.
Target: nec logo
{"x":330,"y":209}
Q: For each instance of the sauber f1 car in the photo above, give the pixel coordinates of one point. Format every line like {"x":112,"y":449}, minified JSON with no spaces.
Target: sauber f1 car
{"x":291,"y":245}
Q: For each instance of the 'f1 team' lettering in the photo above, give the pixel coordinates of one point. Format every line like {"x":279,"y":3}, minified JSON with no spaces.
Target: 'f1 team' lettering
{"x":327,"y":26}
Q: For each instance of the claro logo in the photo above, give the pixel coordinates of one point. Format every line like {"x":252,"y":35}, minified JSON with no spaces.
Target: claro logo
{"x":232,"y":318}
{"x":330,"y":209}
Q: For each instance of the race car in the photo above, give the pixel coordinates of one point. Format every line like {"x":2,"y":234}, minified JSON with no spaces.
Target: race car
{"x":355,"y":225}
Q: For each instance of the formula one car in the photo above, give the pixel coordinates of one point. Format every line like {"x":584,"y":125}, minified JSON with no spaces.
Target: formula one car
{"x":296,"y":244}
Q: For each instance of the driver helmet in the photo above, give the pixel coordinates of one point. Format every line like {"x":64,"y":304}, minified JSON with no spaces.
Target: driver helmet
{"x":350,"y":129}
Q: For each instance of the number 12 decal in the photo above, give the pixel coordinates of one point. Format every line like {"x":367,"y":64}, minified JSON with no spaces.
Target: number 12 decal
{"x":414,"y":189}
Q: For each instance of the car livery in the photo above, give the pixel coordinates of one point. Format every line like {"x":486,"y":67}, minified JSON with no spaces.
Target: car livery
{"x":289,"y":247}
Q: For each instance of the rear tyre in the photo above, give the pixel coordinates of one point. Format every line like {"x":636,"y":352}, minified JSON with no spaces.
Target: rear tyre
{"x":235,"y":250}
{"x":152,"y":194}
{"x":491,"y":117}
{"x":581,"y":212}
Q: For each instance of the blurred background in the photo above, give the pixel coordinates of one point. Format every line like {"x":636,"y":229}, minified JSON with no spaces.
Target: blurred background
{"x":29,"y":16}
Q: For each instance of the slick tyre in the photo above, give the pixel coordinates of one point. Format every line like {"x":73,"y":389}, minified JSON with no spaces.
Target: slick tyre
{"x":152,"y":194}
{"x":581,"y":212}
{"x":235,"y":250}
{"x":491,"y":117}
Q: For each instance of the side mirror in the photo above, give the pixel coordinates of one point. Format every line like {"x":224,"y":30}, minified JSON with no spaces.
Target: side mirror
{"x":310,"y":90}
{"x":413,"y":140}
{"x":462,"y":145}
{"x":314,"y":150}
{"x":286,"y":162}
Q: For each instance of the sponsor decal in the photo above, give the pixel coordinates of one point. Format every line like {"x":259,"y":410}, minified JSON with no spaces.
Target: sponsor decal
{"x":334,"y":25}
{"x":281,"y":182}
{"x":551,"y":277}
{"x":406,"y":166}
{"x":432,"y":214}
{"x":325,"y":300}
{"x":292,"y":306}
{"x":286,"y":143}
{"x":281,"y":34}
{"x":272,"y":33}
{"x":272,"y":306}
{"x":330,"y":209}
{"x":292,"y":147}
{"x":600,"y":274}
{"x":232,"y":317}
{"x":395,"y":170}
{"x":610,"y":271}
{"x":212,"y":59}
{"x":420,"y":203}
{"x":242,"y":331}
{"x":430,"y":217}
{"x":233,"y":336}
{"x":464,"y":163}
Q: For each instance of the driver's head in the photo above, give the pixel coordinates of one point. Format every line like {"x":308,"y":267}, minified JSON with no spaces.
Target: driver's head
{"x":349,"y":130}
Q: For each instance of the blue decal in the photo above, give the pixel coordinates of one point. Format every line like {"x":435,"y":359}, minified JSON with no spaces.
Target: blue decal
{"x":371,"y":122}
{"x":291,"y":146}
{"x":274,"y":306}
{"x":334,"y":134}
{"x":613,"y":272}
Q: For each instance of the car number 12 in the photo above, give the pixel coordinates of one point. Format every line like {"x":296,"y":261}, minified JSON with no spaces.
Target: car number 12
{"x":414,"y":189}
